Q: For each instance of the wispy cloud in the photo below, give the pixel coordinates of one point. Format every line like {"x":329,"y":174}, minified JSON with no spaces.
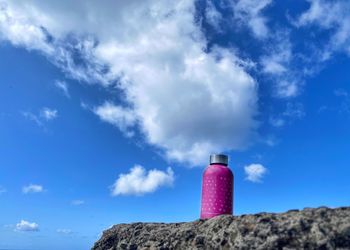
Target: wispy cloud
{"x":255,"y":172}
{"x":344,"y":97}
{"x":48,"y":114}
{"x":277,"y":64}
{"x":139,"y":181}
{"x":32,"y":117}
{"x":2,"y":190}
{"x":333,"y":16}
{"x":341,"y":92}
{"x":213,"y":16}
{"x":32,"y":188}
{"x":44,"y":115}
{"x":63,"y":87}
{"x":277,"y":122}
{"x":77,"y":202}
{"x":294,"y":110}
{"x":64,"y":231}
{"x":250,"y":13}
{"x":26,"y":226}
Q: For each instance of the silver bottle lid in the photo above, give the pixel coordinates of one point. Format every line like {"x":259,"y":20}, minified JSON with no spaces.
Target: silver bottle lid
{"x":218,"y":159}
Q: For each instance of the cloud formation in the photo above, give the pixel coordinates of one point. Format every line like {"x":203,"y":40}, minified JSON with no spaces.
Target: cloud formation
{"x":213,"y":15}
{"x":277,"y":64}
{"x":333,"y":16}
{"x":255,"y":172}
{"x":174,"y":91}
{"x":120,"y":117}
{"x":45,"y":114}
{"x":26,"y":226}
{"x":32,"y":188}
{"x":63,"y":87}
{"x":139,"y":181}
{"x":180,"y":93}
{"x":249,"y":13}
{"x":48,"y":114}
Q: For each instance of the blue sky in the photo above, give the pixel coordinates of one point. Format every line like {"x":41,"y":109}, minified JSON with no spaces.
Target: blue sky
{"x":109,"y":111}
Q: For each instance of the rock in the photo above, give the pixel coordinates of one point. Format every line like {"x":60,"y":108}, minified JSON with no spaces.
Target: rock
{"x":319,"y":228}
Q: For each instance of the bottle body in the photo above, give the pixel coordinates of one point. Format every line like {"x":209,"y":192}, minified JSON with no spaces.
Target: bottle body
{"x":217,"y":191}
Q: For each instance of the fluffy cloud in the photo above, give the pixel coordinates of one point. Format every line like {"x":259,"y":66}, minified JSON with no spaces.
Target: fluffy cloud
{"x":255,"y":172}
{"x":32,"y":188}
{"x":121,"y":117}
{"x":184,"y":100}
{"x":139,"y":181}
{"x":26,"y":226}
{"x":176,"y":92}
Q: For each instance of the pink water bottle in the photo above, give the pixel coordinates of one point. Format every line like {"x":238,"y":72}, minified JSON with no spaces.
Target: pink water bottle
{"x":217,"y":188}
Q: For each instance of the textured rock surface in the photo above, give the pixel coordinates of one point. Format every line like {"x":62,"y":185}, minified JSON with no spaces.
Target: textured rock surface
{"x":320,"y":228}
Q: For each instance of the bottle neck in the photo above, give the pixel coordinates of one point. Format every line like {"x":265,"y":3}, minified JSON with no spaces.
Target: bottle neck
{"x":221,"y":164}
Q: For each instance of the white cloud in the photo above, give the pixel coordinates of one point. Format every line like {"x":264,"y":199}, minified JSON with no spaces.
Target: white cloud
{"x":277,"y":64}
{"x":280,"y":55}
{"x":2,"y":190}
{"x":77,"y":202}
{"x":32,"y":188}
{"x":174,"y":91}
{"x":139,"y":181}
{"x":26,"y":226}
{"x":44,"y":115}
{"x":213,"y":16}
{"x":15,"y":28}
{"x":333,"y":16}
{"x":62,"y":86}
{"x":33,"y":117}
{"x":48,"y":114}
{"x":255,"y":172}
{"x":249,"y":12}
{"x":287,"y":88}
{"x":121,"y":117}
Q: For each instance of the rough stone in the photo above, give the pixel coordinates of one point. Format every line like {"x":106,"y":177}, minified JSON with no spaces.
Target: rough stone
{"x":319,"y":228}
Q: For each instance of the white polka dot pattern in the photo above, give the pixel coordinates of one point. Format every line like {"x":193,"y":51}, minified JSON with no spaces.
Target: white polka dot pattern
{"x":217,"y":191}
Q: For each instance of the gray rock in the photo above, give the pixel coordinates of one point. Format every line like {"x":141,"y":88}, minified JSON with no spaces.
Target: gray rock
{"x":320,"y":228}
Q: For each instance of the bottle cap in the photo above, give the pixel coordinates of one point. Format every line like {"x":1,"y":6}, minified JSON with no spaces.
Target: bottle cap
{"x":219,"y":159}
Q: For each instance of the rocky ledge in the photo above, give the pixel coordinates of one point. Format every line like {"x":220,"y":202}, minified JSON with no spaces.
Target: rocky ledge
{"x":318,"y":228}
